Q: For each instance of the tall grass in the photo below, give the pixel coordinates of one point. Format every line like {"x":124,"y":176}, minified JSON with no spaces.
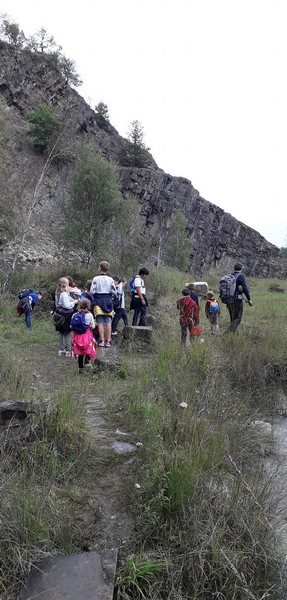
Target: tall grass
{"x":38,"y":476}
{"x":207,"y":503}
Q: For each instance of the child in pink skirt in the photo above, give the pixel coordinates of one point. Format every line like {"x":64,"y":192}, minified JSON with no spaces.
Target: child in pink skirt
{"x":83,"y":344}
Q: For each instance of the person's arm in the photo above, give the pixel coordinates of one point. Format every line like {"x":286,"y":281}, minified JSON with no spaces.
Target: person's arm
{"x":241,"y":281}
{"x":93,"y":286}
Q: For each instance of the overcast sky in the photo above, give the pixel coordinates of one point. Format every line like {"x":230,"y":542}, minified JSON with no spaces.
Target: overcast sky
{"x":206,"y":79}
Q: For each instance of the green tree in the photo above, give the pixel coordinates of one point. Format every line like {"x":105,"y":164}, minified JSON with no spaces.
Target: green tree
{"x":177,"y":244}
{"x":11,"y":32}
{"x":68,"y":70}
{"x":137,"y":152}
{"x":102,"y":110}
{"x":93,"y":204}
{"x":45,"y":125}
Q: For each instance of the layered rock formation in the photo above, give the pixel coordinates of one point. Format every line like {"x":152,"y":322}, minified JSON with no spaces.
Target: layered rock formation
{"x":217,"y":239}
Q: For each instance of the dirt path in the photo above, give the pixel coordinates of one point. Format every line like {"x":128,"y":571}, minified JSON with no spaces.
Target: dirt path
{"x":107,"y":512}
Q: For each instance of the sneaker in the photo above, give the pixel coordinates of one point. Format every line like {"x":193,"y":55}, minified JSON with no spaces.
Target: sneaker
{"x":114,"y":332}
{"x":62,"y":353}
{"x":81,"y":371}
{"x":68,"y":353}
{"x":101,"y":344}
{"x":108,"y":344}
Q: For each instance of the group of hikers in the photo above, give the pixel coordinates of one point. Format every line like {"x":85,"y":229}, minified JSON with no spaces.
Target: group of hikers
{"x":87,"y":319}
{"x":232,"y":288}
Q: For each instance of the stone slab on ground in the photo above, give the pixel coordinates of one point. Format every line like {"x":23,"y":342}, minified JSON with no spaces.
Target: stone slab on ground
{"x":14,"y":420}
{"x":138,"y":333}
{"x":86,"y":576}
{"x":106,"y":360}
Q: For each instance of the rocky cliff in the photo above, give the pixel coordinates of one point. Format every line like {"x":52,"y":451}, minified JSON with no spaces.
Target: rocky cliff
{"x":27,"y":79}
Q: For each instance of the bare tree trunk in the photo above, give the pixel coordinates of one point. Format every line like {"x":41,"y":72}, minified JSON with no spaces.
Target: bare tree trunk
{"x":34,"y":202}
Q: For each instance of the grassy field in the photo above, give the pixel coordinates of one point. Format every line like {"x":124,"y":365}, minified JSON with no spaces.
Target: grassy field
{"x":205,"y":507}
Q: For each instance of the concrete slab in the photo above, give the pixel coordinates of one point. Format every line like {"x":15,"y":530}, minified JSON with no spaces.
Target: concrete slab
{"x":138,"y":334}
{"x":86,"y":576}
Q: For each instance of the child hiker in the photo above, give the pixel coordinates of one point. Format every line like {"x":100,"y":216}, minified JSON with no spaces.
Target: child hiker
{"x":119,"y":305}
{"x":188,"y":315}
{"x":212,"y":312}
{"x":83,"y":343}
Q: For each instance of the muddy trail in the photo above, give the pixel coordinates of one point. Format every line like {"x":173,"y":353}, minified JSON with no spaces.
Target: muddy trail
{"x":106,"y":513}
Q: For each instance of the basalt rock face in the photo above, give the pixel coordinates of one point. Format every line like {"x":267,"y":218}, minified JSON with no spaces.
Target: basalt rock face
{"x":217,"y":239}
{"x":27,"y":80}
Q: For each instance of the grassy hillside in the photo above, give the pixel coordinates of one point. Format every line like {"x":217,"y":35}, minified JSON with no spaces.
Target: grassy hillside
{"x":202,"y":504}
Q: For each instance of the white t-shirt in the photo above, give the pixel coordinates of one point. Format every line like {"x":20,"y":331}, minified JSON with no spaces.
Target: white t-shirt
{"x":103,"y":284}
{"x":65,"y":301}
{"x":139,"y":282}
{"x":89,"y":319}
{"x":121,"y":293}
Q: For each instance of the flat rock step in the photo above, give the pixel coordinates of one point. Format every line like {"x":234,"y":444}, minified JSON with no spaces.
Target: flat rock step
{"x":138,"y":334}
{"x":86,"y":576}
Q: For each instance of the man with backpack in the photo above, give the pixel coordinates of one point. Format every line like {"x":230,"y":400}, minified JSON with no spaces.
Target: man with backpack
{"x":27,"y":301}
{"x":139,"y":300}
{"x":232,"y":288}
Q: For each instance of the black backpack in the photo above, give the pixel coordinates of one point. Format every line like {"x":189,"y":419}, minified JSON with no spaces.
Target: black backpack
{"x":22,"y":306}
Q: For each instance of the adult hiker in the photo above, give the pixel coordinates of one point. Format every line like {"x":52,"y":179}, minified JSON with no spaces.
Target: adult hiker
{"x":139,"y":299}
{"x":236,"y":286}
{"x":103,"y":290}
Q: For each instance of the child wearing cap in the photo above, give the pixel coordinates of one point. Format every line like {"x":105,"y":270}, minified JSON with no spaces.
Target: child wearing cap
{"x":212,"y":312}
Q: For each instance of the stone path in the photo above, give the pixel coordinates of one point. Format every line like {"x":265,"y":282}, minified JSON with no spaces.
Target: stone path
{"x":87,"y":576}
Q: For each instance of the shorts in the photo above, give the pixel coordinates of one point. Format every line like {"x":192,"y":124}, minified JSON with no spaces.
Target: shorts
{"x":103,"y":319}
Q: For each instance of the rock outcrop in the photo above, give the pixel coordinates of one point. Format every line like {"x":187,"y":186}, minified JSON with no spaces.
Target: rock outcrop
{"x":28,"y":79}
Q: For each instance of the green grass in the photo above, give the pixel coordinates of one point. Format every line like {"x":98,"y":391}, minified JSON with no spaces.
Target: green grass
{"x":206,"y":509}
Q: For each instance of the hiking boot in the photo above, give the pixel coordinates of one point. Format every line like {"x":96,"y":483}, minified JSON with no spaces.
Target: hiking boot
{"x":62,"y":353}
{"x":108,"y":344}
{"x":101,"y":344}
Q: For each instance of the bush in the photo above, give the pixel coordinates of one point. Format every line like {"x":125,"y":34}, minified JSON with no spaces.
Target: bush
{"x":45,"y":125}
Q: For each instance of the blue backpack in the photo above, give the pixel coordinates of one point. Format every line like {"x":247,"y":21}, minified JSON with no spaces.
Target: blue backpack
{"x":213,"y":306}
{"x":25,"y":293}
{"x":132,"y":285}
{"x":78,"y":322}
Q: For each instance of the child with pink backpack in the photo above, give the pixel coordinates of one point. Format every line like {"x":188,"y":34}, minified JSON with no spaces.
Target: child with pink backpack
{"x":83,"y":343}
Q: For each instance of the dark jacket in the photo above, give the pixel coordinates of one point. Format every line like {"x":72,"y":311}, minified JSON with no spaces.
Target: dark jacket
{"x":104,"y":301}
{"x":194,"y":297}
{"x":241,"y":281}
